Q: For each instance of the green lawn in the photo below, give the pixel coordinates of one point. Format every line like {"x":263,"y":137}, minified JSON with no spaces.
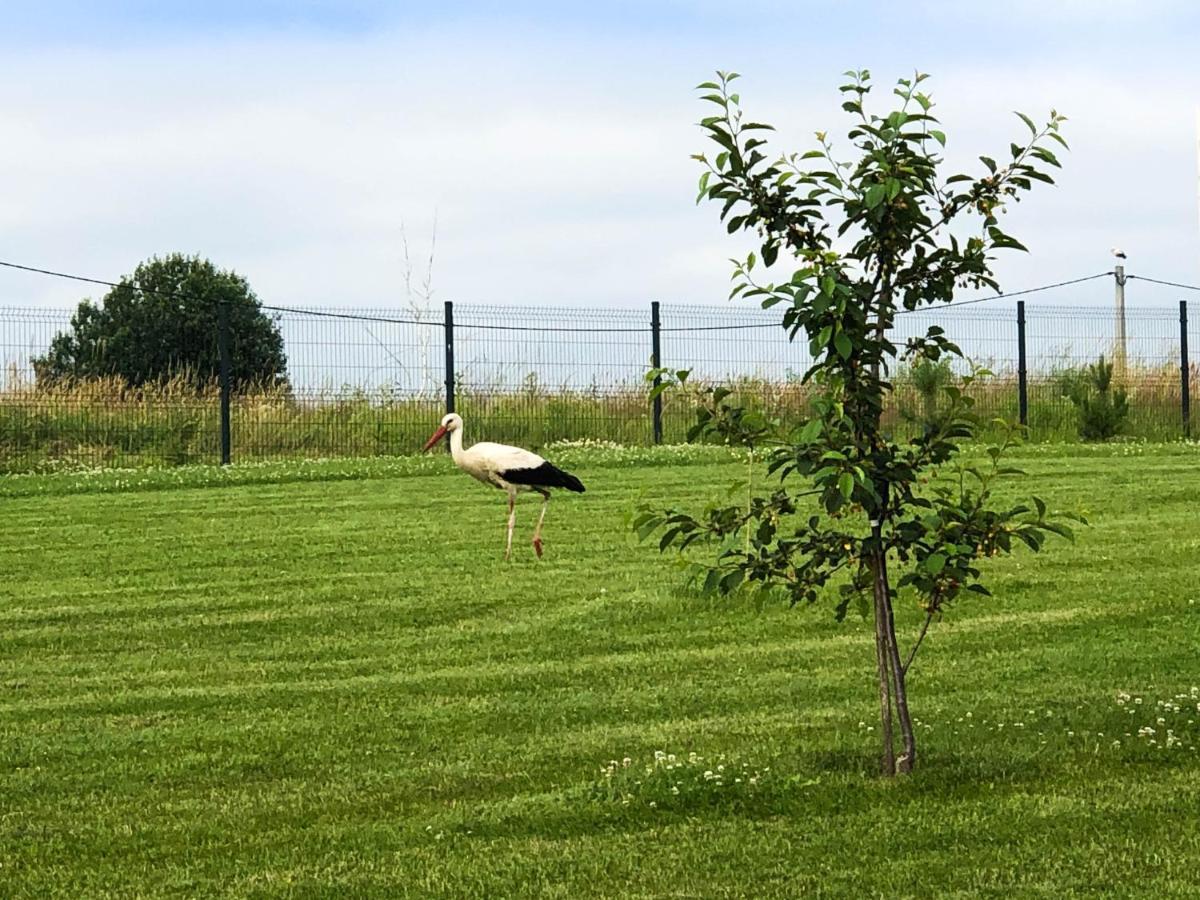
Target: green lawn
{"x":321,"y":680}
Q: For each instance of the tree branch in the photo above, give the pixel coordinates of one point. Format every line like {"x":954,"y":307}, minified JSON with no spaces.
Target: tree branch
{"x":912,"y":653}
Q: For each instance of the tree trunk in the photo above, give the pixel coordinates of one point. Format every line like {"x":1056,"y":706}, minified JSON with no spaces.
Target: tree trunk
{"x":891,"y":669}
{"x":888,"y":761}
{"x":908,"y":758}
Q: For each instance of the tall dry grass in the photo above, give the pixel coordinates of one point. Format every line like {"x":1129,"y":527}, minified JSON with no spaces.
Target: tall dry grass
{"x":106,"y":422}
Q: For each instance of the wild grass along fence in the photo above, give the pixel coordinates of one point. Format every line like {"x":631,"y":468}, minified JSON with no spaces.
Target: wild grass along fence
{"x":375,"y":382}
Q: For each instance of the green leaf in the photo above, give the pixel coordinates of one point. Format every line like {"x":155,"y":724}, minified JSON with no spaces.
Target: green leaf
{"x":938,"y":136}
{"x":1046,"y":156}
{"x":811,"y":431}
{"x":1028,"y":121}
{"x":935,"y":563}
{"x":1054,"y":135}
{"x":874,"y":196}
{"x":648,"y":527}
{"x":843,"y":345}
{"x":1063,"y":531}
{"x":846,"y":484}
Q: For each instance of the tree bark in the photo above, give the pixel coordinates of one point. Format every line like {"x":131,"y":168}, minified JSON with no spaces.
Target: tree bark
{"x":888,"y":760}
{"x":908,"y":757}
{"x":891,"y":669}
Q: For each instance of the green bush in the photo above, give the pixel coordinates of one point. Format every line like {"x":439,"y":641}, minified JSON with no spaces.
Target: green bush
{"x":1101,"y":410}
{"x":928,"y":381}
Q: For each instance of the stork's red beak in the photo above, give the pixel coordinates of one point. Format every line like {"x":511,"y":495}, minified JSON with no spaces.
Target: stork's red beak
{"x":437,"y":436}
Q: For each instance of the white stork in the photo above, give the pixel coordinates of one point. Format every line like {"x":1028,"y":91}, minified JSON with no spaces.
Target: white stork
{"x":511,"y":469}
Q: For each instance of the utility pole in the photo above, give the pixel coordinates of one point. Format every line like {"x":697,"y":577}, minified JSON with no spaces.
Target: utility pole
{"x":1120,"y":350}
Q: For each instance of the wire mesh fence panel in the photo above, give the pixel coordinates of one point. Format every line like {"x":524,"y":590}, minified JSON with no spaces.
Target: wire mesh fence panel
{"x":1067,"y":344}
{"x":988,"y":340}
{"x":360,"y":382}
{"x":749,"y":349}
{"x":538,"y":375}
{"x":89,"y":422}
{"x":739,"y":346}
{"x":1193,"y":367}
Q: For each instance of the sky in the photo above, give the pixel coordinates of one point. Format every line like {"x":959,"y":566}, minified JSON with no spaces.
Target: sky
{"x":539,"y":151}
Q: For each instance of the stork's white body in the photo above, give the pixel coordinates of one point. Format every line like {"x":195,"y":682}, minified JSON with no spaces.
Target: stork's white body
{"x":488,"y":462}
{"x":511,"y":469}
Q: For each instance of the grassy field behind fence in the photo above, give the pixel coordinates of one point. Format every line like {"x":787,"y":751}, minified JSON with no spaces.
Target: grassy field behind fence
{"x":104,"y":423}
{"x":319,"y":680}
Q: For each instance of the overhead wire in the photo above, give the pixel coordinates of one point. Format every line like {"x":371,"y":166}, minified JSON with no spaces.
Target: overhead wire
{"x":397,"y":320}
{"x":1174,"y":284}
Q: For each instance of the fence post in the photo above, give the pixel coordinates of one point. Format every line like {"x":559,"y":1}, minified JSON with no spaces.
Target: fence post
{"x":1185,"y":373}
{"x":448,"y":327}
{"x":655,"y":362}
{"x":224,"y":378}
{"x":1022,"y":370}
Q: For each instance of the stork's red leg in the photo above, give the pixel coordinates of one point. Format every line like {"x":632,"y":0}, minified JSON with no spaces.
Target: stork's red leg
{"x":537,"y":532}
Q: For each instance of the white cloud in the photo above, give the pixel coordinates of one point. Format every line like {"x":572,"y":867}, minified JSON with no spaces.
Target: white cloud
{"x":556,"y":164}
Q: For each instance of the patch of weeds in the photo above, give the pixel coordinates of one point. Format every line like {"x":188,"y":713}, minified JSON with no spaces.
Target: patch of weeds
{"x":688,"y":782}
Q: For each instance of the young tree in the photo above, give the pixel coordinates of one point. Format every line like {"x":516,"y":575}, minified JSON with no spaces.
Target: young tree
{"x":418,"y":298}
{"x":161,"y":322}
{"x":868,"y":239}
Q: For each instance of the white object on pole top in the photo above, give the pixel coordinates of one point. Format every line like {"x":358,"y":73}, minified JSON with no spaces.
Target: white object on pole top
{"x":1118,"y":253}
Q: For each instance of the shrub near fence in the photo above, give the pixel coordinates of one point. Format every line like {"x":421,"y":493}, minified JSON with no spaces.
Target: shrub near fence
{"x":373,"y":384}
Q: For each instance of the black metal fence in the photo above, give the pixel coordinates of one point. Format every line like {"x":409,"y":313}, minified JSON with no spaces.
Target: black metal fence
{"x":375,"y":382}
